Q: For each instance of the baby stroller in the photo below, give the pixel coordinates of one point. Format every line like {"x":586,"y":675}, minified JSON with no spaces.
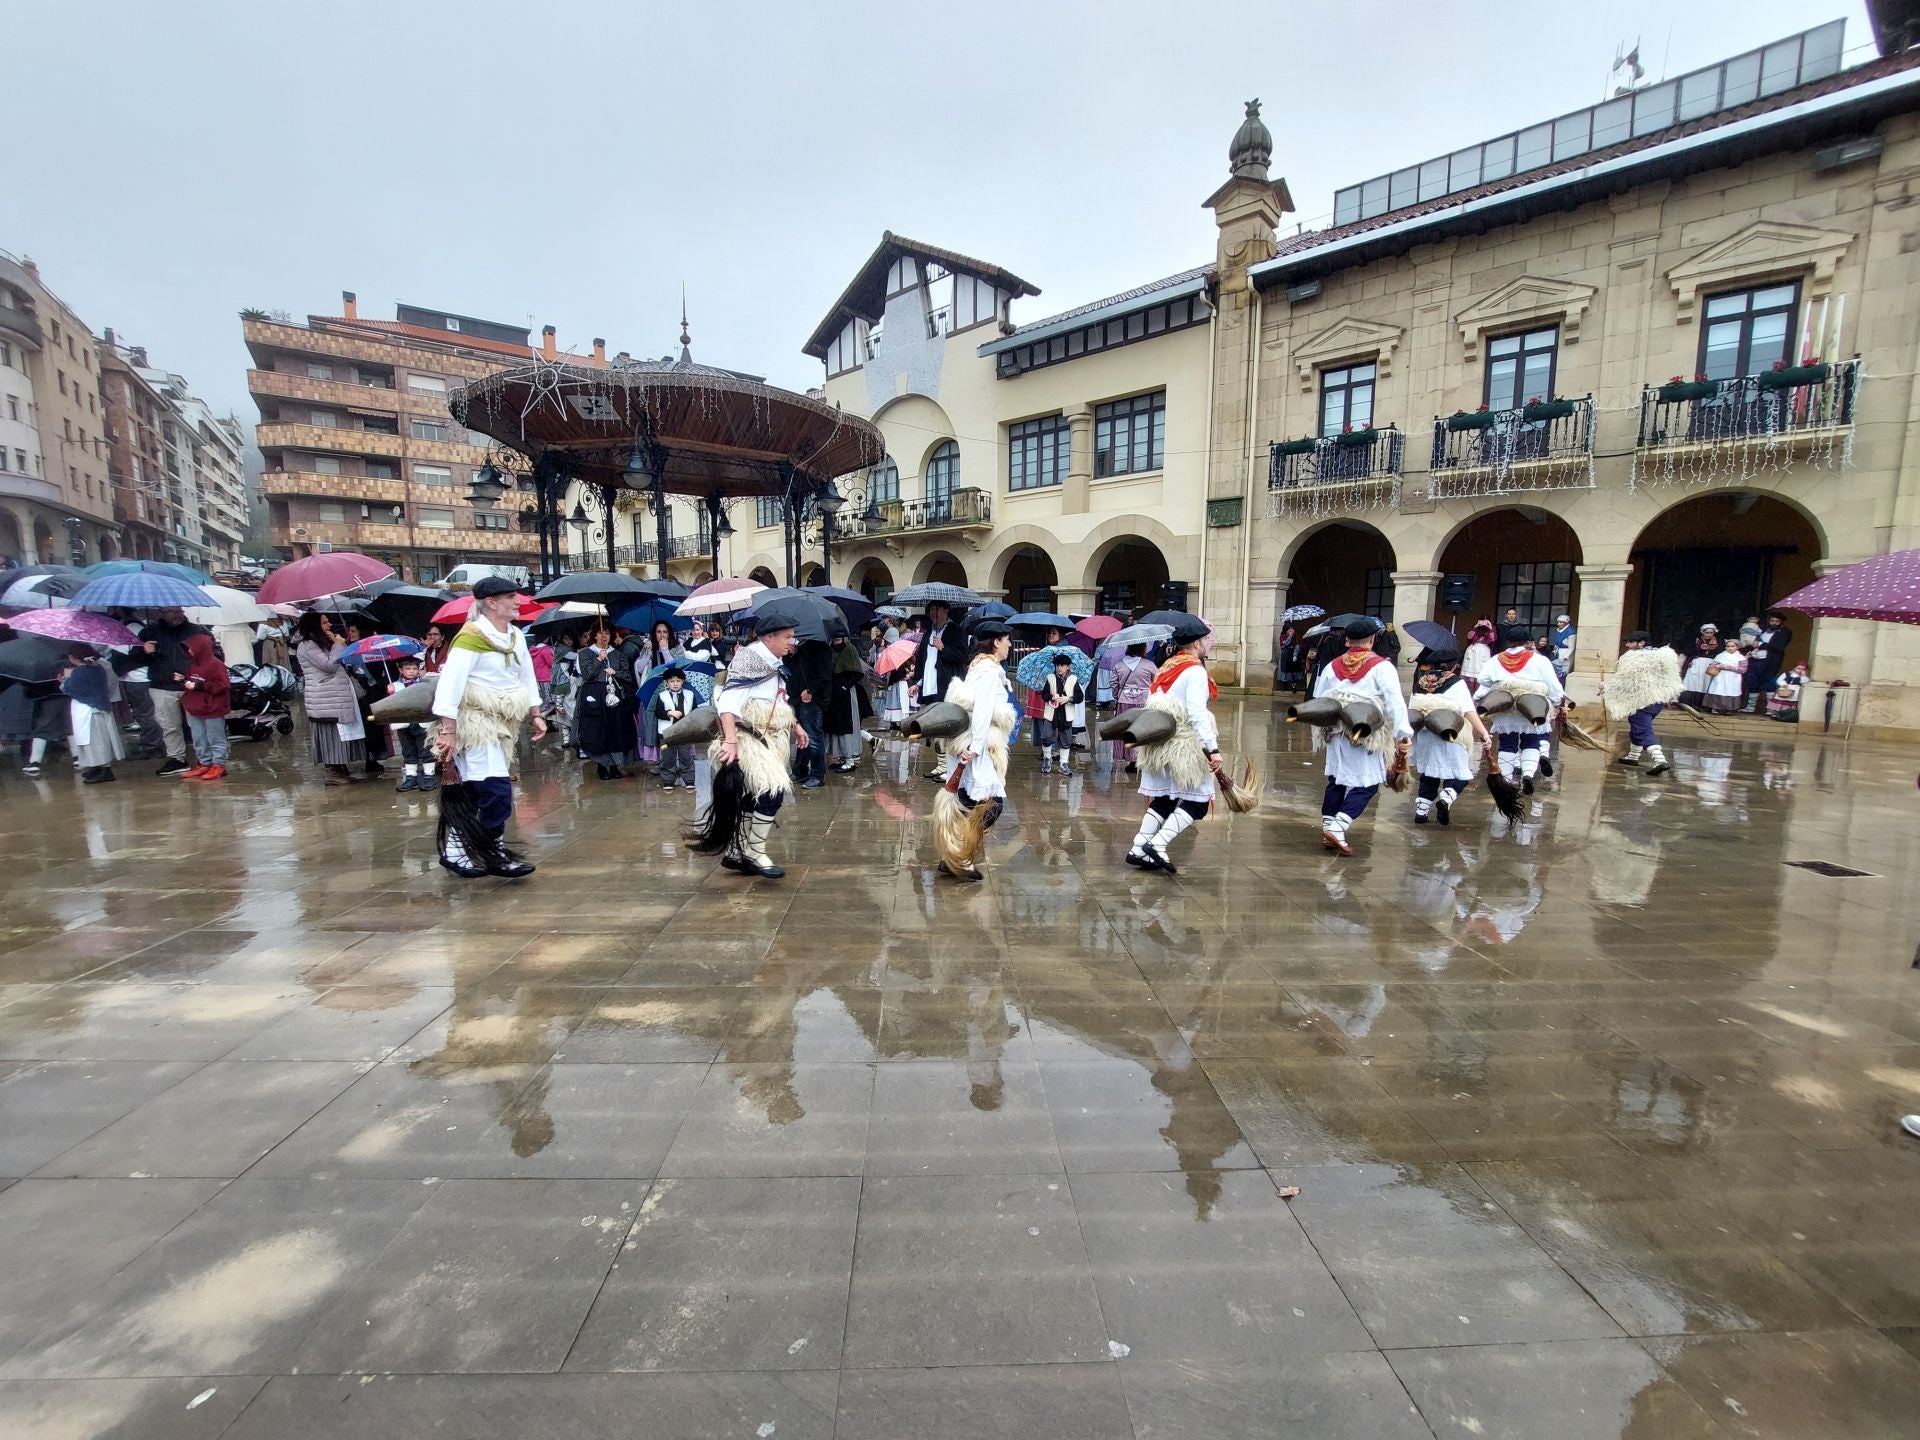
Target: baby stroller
{"x":258,"y":704}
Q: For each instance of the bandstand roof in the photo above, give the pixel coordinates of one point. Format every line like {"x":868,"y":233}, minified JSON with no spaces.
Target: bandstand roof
{"x":723,"y":433}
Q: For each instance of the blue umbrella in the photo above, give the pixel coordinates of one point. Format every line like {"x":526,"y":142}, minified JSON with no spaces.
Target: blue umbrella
{"x":642,"y":616}
{"x":1033,"y":670}
{"x":1043,"y":620}
{"x":138,"y":590}
{"x":102,"y":568}
{"x":699,"y":675}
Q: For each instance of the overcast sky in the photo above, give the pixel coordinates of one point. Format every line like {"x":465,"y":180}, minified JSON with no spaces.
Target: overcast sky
{"x":574,"y":164}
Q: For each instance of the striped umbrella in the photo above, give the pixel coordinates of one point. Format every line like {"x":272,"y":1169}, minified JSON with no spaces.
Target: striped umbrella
{"x":100,"y":569}
{"x":718,"y":597}
{"x":138,"y":590}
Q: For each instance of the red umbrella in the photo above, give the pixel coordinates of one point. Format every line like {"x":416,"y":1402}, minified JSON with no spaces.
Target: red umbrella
{"x":318,"y":576}
{"x":894,"y":656}
{"x":1098,"y":626}
{"x":1886,"y":587}
{"x":455,"y":612}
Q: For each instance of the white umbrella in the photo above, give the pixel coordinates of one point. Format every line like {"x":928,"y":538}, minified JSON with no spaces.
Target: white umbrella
{"x":39,"y":592}
{"x":229,"y":607}
{"x":719,"y":597}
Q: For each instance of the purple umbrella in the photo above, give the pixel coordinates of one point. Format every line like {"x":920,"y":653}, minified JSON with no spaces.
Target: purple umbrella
{"x":1887,"y":587}
{"x":381,"y":647}
{"x":80,"y":626}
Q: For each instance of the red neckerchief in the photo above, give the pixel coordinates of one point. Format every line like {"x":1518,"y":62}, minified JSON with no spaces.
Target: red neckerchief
{"x":1174,"y":669}
{"x":1356,"y":664}
{"x":1514,"y":661}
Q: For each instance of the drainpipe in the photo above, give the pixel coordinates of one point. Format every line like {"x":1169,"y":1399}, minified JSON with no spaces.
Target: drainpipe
{"x":1246,"y":506}
{"x":1206,"y":463}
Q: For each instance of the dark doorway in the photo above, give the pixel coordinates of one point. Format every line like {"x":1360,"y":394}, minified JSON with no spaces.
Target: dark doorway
{"x":1684,"y":589}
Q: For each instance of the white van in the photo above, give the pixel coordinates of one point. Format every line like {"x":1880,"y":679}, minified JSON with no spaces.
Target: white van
{"x":465,"y":576}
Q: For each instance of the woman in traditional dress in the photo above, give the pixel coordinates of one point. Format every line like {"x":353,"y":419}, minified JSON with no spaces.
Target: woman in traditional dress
{"x":604,"y":718}
{"x":1706,"y":650}
{"x":846,"y":701}
{"x":899,"y":700}
{"x":332,"y":699}
{"x":88,"y":686}
{"x":1132,"y":683}
{"x":1177,"y":774}
{"x":975,"y":792}
{"x":1726,"y":683}
{"x":1479,"y":651}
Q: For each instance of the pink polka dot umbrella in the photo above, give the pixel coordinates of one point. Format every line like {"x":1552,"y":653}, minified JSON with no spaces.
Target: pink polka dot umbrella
{"x":1887,"y":587}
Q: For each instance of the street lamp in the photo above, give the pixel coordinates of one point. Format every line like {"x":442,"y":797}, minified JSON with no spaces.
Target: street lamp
{"x":76,"y":547}
{"x":486,"y":488}
{"x":828,"y":503}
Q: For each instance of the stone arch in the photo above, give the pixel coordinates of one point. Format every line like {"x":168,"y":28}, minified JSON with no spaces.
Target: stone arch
{"x":870,"y":575}
{"x":1344,"y":566}
{"x":812,"y":573}
{"x":1122,"y":528}
{"x":1009,"y":542}
{"x":11,"y":543}
{"x":762,"y":570}
{"x":1526,"y":557}
{"x":1030,"y":580}
{"x":1131,"y":576}
{"x":42,"y":543}
{"x":108,"y":550}
{"x":1721,"y":556}
{"x":940,"y":565}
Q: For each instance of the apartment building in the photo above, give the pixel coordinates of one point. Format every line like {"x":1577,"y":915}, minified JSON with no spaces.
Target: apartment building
{"x":147,"y":501}
{"x":360,"y":449}
{"x":221,"y":472}
{"x":56,"y":500}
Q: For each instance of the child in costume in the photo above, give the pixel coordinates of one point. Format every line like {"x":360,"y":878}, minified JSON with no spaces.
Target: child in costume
{"x":1063,"y":703}
{"x":416,"y":755}
{"x":672,"y":702}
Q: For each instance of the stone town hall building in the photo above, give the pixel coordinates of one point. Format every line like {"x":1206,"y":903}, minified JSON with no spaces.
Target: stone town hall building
{"x":1650,"y":363}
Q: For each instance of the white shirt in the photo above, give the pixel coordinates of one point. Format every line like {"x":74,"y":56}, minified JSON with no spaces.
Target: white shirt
{"x":1350,"y":764}
{"x":981,"y":692}
{"x":1190,"y":689}
{"x":1538,"y":670}
{"x":497,"y":670}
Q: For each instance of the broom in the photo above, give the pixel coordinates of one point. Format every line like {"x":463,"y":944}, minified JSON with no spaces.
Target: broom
{"x":1242,"y":796}
{"x":1506,"y":794}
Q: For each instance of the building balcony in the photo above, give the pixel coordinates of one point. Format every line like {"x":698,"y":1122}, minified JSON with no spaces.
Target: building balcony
{"x":283,"y":435}
{"x":373,"y":536}
{"x":276,"y":385}
{"x":20,"y":325}
{"x":1543,"y":445}
{"x":957,"y":510}
{"x":1691,"y":430}
{"x":279,"y":484}
{"x":1335,"y":474}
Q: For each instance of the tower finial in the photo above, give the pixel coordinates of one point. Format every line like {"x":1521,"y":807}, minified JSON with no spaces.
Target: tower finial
{"x":686,"y":340}
{"x":1251,"y":152}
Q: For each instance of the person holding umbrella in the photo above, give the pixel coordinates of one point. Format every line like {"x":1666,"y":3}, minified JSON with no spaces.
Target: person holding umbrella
{"x":486,"y":690}
{"x":164,"y":642}
{"x":88,"y":685}
{"x":605,"y":717}
{"x":749,"y":756}
{"x":331,"y":697}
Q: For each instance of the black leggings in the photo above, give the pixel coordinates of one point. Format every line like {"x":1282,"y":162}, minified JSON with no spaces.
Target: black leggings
{"x":994,"y":807}
{"x":1165,"y":805}
{"x":1431,"y":786}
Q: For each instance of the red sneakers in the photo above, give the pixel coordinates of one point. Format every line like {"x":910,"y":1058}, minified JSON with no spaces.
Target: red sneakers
{"x":206,"y":772}
{"x":195,"y":773}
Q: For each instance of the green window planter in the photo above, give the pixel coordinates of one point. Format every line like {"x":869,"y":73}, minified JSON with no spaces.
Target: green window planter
{"x":1674,"y":391}
{"x":1548,"y":409}
{"x":1294,"y":447}
{"x":1794,"y":376}
{"x":1471,"y":420}
{"x":1356,"y":439}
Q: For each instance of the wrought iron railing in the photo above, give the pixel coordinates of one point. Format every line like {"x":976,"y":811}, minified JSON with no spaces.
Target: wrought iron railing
{"x":1543,"y":445}
{"x":955,"y":508}
{"x":1775,"y":404}
{"x":1331,"y":474}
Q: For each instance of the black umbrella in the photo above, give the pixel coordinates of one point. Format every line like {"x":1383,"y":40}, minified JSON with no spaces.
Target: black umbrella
{"x":601,"y":587}
{"x":855,"y":606}
{"x":32,"y":658}
{"x":404,"y":609}
{"x":1164,"y":617}
{"x":1433,"y":635}
{"x":812,"y":618}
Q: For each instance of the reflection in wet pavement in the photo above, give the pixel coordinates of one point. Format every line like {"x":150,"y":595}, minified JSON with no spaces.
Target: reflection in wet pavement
{"x":1591,"y":1121}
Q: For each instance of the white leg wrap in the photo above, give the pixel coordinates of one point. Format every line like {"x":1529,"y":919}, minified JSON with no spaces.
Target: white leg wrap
{"x":755,"y":847}
{"x":1175,"y":824}
{"x":1423,"y":806}
{"x":1149,"y":827}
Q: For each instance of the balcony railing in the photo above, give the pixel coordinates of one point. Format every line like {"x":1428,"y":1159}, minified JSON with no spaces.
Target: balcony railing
{"x":1543,"y":445}
{"x":955,"y":510}
{"x":1333,"y":474}
{"x":1694,"y":431}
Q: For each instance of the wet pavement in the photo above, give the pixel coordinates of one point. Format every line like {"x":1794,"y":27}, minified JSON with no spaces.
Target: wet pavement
{"x":1592,"y":1122}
